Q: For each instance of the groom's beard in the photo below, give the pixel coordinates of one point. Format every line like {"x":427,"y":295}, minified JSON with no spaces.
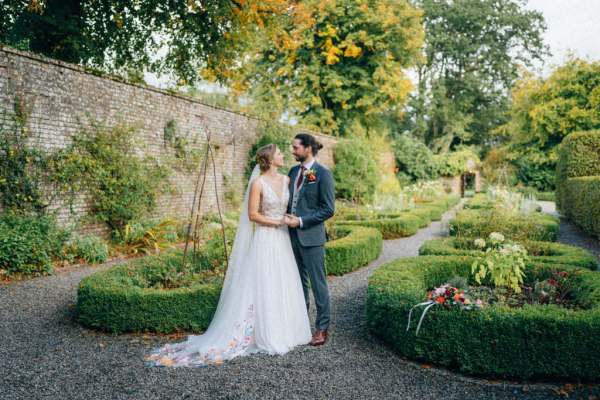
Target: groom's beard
{"x":300,"y":159}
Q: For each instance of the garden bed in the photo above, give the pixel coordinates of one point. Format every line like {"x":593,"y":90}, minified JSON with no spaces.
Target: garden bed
{"x":544,"y":252}
{"x":393,"y":225}
{"x":155,"y":294}
{"x":533,"y":341}
{"x":355,"y":247}
{"x":132,"y":296}
{"x":480,"y":223}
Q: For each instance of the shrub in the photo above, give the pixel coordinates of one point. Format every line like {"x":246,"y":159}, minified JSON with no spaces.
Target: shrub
{"x":23,"y":168}
{"x":480,"y":223}
{"x":158,"y":294}
{"x":29,"y":244}
{"x":147,"y":236}
{"x":132,"y":296}
{"x":399,"y":223}
{"x":457,"y":162}
{"x":390,"y":228}
{"x":102,"y":161}
{"x":90,"y":249}
{"x":356,"y":247}
{"x":540,"y":252}
{"x":414,"y":159}
{"x":355,"y":172}
{"x":485,"y":201}
{"x":534,"y":341}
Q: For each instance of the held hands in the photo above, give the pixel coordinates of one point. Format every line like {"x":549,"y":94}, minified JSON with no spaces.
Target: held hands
{"x":291,"y":220}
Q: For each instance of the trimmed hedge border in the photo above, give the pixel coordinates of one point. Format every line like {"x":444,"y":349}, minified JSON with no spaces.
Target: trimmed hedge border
{"x":110,"y":301}
{"x":475,"y":223}
{"x":358,"y":248}
{"x":390,"y":228}
{"x":535,"y":341}
{"x":482,"y":202}
{"x":548,"y":252}
{"x":395,"y":225}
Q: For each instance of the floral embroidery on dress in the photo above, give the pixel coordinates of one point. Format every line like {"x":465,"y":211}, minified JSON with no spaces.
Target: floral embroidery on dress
{"x":165,"y":356}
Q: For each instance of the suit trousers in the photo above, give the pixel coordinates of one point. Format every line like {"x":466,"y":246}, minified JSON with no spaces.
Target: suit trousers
{"x":311,"y":265}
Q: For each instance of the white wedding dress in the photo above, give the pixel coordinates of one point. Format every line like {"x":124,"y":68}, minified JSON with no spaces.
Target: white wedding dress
{"x":262,"y":307}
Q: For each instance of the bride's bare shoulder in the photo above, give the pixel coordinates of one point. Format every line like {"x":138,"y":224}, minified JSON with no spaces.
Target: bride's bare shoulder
{"x":256,"y":184}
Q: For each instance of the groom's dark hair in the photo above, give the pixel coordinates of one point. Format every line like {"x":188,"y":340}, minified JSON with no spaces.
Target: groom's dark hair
{"x":308,"y":140}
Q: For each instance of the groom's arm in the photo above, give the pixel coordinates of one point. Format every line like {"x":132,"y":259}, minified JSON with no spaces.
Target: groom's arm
{"x":326,"y":206}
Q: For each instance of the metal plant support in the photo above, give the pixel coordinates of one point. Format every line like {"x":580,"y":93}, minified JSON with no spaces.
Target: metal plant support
{"x":196,"y":213}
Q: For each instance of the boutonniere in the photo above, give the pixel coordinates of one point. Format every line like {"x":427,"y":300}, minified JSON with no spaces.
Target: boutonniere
{"x":310,"y":175}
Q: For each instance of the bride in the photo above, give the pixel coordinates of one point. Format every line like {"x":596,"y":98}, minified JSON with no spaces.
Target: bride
{"x":262,"y":307}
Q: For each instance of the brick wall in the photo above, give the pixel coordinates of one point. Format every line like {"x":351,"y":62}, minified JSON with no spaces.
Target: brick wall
{"x":62,"y":98}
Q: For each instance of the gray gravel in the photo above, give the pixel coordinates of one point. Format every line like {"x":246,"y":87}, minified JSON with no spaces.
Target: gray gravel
{"x":570,"y":233}
{"x":45,"y":355}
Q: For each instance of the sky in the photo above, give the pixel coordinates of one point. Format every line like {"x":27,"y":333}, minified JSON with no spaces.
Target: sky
{"x":573,"y":27}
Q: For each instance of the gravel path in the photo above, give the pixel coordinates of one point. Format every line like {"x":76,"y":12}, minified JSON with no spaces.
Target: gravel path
{"x":571,"y":234}
{"x":44,"y":355}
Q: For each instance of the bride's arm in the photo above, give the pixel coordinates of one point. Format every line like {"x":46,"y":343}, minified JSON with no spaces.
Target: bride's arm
{"x":253,"y":208}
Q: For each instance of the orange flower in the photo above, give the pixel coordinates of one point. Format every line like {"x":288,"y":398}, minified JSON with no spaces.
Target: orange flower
{"x":440,"y":300}
{"x":457,"y":296}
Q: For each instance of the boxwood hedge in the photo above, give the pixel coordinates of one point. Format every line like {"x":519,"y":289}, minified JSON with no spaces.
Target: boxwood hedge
{"x":482,"y":201}
{"x":535,"y":341}
{"x":480,"y":223}
{"x":123,"y":298}
{"x":581,"y":203}
{"x":126,"y":298}
{"x":543,"y":252}
{"x":394,"y":225}
{"x":357,"y":247}
{"x":578,"y":156}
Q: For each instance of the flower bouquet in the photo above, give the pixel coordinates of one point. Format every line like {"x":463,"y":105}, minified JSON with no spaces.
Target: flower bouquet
{"x":446,"y":296}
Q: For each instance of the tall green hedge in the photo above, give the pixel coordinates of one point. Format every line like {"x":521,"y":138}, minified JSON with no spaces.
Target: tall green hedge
{"x":534,"y":341}
{"x":578,"y":155}
{"x":582,"y":202}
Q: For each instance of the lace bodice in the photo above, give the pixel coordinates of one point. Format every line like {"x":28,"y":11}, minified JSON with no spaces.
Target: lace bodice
{"x":274,"y":200}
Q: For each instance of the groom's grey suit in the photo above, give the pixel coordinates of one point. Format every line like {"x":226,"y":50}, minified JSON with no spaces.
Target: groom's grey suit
{"x":313,"y":202}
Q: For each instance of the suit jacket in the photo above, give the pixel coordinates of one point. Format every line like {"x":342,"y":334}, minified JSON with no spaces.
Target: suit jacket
{"x":315,"y":204}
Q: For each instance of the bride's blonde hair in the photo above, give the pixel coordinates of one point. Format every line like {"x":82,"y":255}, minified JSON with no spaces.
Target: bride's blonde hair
{"x":264,"y":156}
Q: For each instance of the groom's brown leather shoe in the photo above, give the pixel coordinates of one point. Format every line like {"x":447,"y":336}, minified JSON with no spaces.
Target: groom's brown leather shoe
{"x":319,"y":338}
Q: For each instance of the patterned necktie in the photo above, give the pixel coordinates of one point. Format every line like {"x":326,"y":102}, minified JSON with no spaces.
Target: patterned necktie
{"x":301,"y":175}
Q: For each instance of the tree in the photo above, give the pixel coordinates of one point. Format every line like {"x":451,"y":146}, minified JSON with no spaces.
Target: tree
{"x":543,"y":112}
{"x":336,"y":62}
{"x":117,"y":35}
{"x":472,"y":52}
{"x":414,"y":160}
{"x":355,"y":172}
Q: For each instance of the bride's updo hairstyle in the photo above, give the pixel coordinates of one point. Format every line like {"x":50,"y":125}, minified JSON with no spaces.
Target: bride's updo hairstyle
{"x":264,"y":156}
{"x":308,"y":140}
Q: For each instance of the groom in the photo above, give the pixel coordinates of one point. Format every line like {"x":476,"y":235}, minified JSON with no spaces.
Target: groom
{"x":312,"y":201}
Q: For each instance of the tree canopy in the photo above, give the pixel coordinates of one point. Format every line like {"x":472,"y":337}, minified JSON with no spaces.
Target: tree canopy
{"x":473,"y":49}
{"x":183,"y":38}
{"x":334,"y":63}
